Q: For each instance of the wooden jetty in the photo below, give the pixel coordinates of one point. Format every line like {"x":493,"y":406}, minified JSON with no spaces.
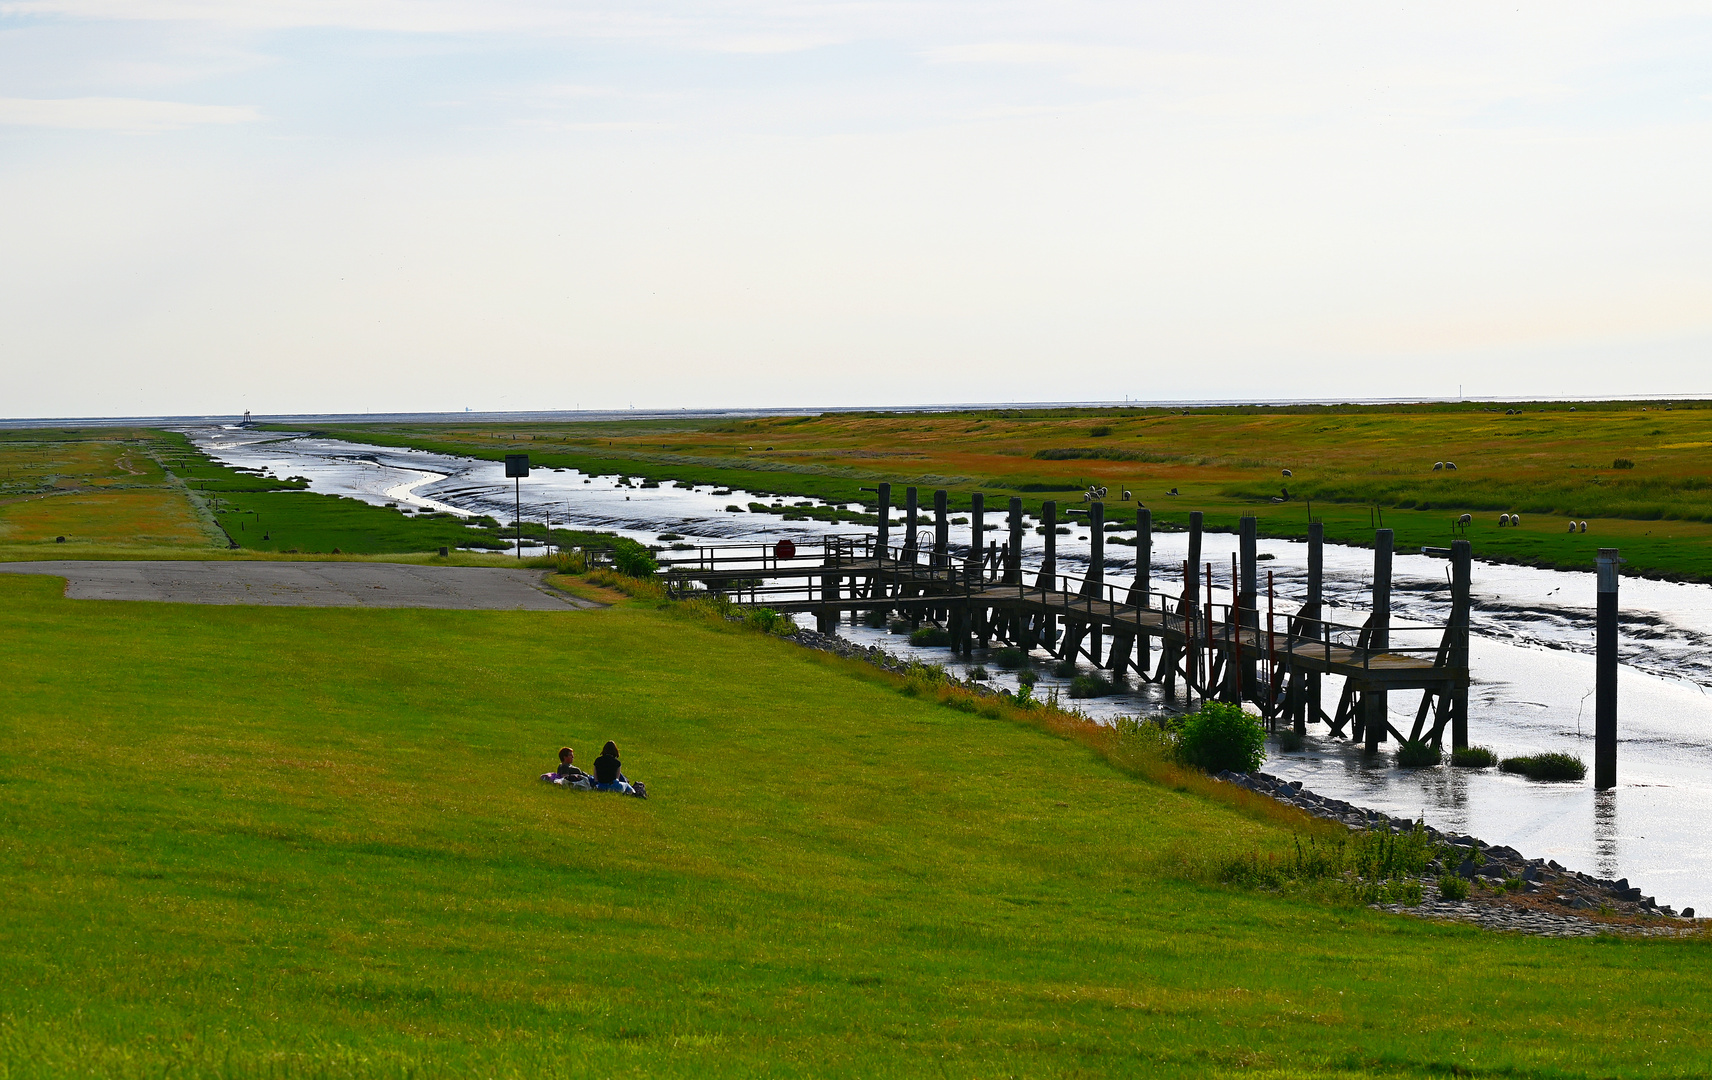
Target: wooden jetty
{"x":1243,"y":649}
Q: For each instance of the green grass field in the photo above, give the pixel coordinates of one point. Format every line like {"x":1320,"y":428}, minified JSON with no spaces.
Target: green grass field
{"x":287,"y":842}
{"x":1351,"y":466}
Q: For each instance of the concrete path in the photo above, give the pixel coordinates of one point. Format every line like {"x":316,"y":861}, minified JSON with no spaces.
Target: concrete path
{"x":306,"y":584}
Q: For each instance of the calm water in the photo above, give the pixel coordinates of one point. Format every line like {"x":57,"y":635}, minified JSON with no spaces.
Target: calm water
{"x":1531,"y":653}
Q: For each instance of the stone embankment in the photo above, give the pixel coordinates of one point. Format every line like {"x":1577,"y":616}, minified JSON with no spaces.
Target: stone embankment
{"x":1507,"y":891}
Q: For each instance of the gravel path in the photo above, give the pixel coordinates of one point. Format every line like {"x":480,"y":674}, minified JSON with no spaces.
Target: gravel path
{"x":307,"y":584}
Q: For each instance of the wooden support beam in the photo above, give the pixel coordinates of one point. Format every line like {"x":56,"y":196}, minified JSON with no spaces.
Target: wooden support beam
{"x":1376,"y":701}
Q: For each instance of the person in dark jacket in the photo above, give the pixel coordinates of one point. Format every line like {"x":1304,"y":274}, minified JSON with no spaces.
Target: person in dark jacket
{"x":567,"y":774}
{"x":609,"y":773}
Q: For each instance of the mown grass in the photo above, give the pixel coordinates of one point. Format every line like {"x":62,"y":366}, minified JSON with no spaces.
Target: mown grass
{"x":273,"y":841}
{"x":1359,"y":466}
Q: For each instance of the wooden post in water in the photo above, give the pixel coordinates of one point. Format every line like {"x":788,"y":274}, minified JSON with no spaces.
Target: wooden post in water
{"x":1249,"y":600}
{"x":1141,"y":593}
{"x":1605,"y":673}
{"x":1046,"y":625}
{"x":977,"y":529}
{"x":1013,"y":557}
{"x":976,"y":617}
{"x":911,"y":509}
{"x":1461,"y":574}
{"x":912,"y":548}
{"x":1314,"y":609}
{"x":1375,"y":703}
{"x":883,"y":537}
{"x":941,"y":531}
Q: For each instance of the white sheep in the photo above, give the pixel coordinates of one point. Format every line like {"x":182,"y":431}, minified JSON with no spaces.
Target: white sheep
{"x":1437,"y":465}
{"x":1288,"y":473}
{"x":1503,"y":520}
{"x":1450,"y":466}
{"x":1465,"y":519}
{"x":1126,"y":495}
{"x":1584,"y":526}
{"x":1572,"y":526}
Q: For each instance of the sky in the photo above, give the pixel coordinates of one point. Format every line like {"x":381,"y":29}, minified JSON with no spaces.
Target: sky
{"x":302,"y":206}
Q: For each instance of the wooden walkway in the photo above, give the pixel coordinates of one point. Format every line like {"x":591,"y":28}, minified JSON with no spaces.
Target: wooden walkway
{"x":1229,"y":651}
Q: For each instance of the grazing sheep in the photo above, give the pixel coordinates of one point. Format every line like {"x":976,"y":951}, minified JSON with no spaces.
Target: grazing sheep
{"x":1450,"y":466}
{"x":1288,"y":474}
{"x":1173,"y":491}
{"x":1437,"y":465}
{"x":1465,"y":519}
{"x":1584,"y":526}
{"x":1572,"y":526}
{"x":1503,"y":520}
{"x":1126,"y":495}
{"x":1515,"y":520}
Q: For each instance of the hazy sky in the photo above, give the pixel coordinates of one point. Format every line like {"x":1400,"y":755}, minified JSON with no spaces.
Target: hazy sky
{"x":346,"y":205}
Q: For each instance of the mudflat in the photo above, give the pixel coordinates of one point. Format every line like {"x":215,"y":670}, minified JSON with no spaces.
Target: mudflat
{"x":306,"y":584}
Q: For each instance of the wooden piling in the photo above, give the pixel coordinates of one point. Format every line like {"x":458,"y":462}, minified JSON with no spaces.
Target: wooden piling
{"x":911,"y":512}
{"x":941,"y":530}
{"x":1248,"y":596}
{"x":1605,"y":672}
{"x":1375,"y":703}
{"x":1314,"y":610}
{"x":883,"y":539}
{"x":1013,"y":556}
{"x":977,"y":529}
{"x":1461,"y":575}
{"x":1046,"y":626}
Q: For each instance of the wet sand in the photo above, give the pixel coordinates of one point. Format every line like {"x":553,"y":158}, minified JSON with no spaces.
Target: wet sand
{"x":307,"y":584}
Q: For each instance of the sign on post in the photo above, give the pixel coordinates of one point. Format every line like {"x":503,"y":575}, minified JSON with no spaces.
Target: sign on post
{"x":516,"y":468}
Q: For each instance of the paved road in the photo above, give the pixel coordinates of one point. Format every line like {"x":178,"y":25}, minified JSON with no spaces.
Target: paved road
{"x":306,"y":584}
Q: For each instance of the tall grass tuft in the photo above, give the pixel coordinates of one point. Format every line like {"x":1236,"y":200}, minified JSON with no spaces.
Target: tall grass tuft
{"x":1415,"y":754}
{"x":1474,"y":757}
{"x":1087,"y":686}
{"x":930,"y":635}
{"x":1553,"y":766}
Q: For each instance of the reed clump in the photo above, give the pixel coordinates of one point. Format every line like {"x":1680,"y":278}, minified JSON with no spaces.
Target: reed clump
{"x":1474,"y":757}
{"x":1416,"y":754}
{"x":1552,"y":766}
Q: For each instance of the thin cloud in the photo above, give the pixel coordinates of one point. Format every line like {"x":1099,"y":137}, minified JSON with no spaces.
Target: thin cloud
{"x":117,"y":114}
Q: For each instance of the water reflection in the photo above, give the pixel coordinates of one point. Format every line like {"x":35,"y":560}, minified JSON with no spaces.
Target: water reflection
{"x":1605,"y":848}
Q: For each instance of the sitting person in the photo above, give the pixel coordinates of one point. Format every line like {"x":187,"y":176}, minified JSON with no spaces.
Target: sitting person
{"x":609,"y":775}
{"x":567,"y":774}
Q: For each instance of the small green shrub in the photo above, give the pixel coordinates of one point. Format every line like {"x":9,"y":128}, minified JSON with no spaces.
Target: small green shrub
{"x":1552,"y":766}
{"x":1027,"y":678}
{"x":874,"y":620}
{"x":1010,"y":658}
{"x":899,"y":626}
{"x":1289,"y":742}
{"x":1452,"y":887}
{"x":1065,"y":668}
{"x":930,"y":635}
{"x":1473,"y":757}
{"x":979,"y":673}
{"x":1221,"y":736}
{"x":1087,"y":686}
{"x":1100,"y":431}
{"x":1622,"y":463}
{"x":632,"y":559}
{"x":1417,"y":755}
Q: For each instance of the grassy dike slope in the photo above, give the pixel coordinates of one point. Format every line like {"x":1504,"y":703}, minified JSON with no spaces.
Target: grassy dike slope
{"x":270,"y":841}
